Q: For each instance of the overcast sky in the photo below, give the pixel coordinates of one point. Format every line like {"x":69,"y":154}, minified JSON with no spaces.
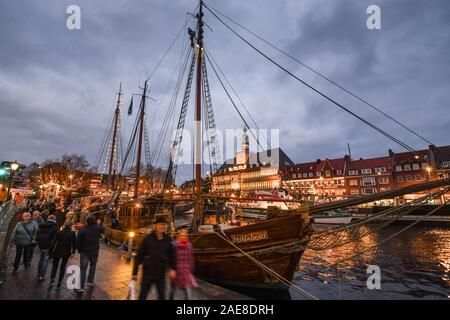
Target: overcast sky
{"x":57,"y":86}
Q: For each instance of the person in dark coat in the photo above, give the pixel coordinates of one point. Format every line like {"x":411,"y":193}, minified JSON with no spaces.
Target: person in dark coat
{"x":61,"y":249}
{"x":24,"y":237}
{"x":88,"y":245}
{"x":44,"y":237}
{"x":156,"y":254}
{"x":60,"y":217}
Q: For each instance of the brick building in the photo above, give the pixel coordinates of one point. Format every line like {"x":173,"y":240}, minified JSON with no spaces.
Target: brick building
{"x":316,"y":180}
{"x":341,"y":178}
{"x":251,"y":171}
{"x":326,"y":180}
{"x":368,"y":176}
{"x":337,"y":179}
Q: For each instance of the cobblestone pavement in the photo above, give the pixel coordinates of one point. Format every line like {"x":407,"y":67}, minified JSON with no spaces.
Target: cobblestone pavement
{"x":111,"y":282}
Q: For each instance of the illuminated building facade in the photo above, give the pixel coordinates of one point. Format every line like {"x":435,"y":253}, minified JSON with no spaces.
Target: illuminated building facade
{"x":251,"y":171}
{"x":337,"y":179}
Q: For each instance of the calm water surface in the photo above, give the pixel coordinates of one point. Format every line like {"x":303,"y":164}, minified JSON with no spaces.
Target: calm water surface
{"x":414,"y":265}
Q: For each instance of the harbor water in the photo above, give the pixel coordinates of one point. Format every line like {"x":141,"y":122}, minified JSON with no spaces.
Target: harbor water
{"x":413,"y":265}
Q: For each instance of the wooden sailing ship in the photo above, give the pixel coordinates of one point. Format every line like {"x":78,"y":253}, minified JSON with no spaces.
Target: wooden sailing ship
{"x":221,"y":252}
{"x":262,"y":254}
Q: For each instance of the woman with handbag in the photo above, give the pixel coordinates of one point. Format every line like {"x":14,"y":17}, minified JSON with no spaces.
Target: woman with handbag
{"x":24,"y":237}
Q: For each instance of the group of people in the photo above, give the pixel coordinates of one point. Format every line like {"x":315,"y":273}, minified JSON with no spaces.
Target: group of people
{"x":57,"y":240}
{"x":52,"y":232}
{"x":159,"y":257}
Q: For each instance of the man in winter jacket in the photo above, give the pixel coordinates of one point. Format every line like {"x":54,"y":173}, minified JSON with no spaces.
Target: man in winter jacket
{"x":156,"y":254}
{"x":24,"y":237}
{"x":45,"y":235}
{"x":88,"y":245}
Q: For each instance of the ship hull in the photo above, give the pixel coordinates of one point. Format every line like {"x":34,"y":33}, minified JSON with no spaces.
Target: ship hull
{"x":333,"y":220}
{"x":275,"y":243}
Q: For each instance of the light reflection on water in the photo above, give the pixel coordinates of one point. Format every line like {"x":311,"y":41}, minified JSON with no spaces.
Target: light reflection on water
{"x":414,"y":265}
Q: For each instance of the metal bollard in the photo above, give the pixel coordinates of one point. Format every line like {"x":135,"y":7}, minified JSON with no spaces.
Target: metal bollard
{"x":130,"y":245}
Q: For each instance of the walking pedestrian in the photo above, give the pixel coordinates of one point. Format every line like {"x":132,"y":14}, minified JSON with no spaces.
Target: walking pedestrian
{"x":37,"y":217}
{"x":61,"y":249}
{"x":184,"y":279}
{"x":156,"y":254}
{"x":88,"y":245}
{"x":60,"y":216}
{"x":24,"y":237}
{"x":71,"y":215}
{"x":44,"y":237}
{"x":44,"y":214}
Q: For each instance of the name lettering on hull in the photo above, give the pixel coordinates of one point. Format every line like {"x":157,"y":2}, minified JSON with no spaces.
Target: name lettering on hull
{"x":250,"y":237}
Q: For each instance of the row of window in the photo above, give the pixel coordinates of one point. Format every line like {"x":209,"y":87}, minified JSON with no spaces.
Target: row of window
{"x":367,"y":191}
{"x":320,"y":182}
{"x":408,"y":167}
{"x":409,"y":178}
{"x":259,"y":185}
{"x":339,"y":172}
{"x":355,"y":172}
{"x":369,"y":181}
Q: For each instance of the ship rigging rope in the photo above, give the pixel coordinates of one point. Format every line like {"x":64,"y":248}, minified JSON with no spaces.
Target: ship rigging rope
{"x":333,"y":82}
{"x":232,"y":101}
{"x":170,"y":111}
{"x":412,"y":224}
{"x":175,"y":72}
{"x":337,"y":237}
{"x":235,"y":93}
{"x":130,"y":144}
{"x":282,"y":279}
{"x":107,"y":133}
{"x":343,"y":260}
{"x":188,"y":19}
{"x":373,"y":126}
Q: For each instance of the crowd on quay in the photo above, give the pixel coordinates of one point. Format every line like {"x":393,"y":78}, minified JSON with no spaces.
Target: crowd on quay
{"x":56,"y":235}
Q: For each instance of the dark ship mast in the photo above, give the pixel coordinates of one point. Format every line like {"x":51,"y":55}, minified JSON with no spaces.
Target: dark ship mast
{"x":113,"y":155}
{"x":141,"y":134}
{"x":198,"y":117}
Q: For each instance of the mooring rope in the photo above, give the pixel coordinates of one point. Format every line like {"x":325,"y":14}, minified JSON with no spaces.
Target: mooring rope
{"x":283,"y":280}
{"x":322,"y":240}
{"x":412,"y":224}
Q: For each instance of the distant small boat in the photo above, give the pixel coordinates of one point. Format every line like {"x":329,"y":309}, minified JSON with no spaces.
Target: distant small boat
{"x":182,"y":208}
{"x":259,"y":209}
{"x":333,"y":217}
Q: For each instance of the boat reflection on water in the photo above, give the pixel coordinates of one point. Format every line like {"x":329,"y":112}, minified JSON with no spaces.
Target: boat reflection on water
{"x":414,"y":265}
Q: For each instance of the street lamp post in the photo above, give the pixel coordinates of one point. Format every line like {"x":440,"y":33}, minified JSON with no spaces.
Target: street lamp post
{"x":429,"y":179}
{"x":14,"y":167}
{"x":429,"y":173}
{"x":70,"y":186}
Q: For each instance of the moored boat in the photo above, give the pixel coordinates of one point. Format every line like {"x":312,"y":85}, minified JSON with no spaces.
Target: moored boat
{"x":276,"y":243}
{"x":260,"y":254}
{"x":333,"y":217}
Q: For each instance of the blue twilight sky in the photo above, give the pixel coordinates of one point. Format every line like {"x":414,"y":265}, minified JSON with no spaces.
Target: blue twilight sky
{"x":57,"y":86}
